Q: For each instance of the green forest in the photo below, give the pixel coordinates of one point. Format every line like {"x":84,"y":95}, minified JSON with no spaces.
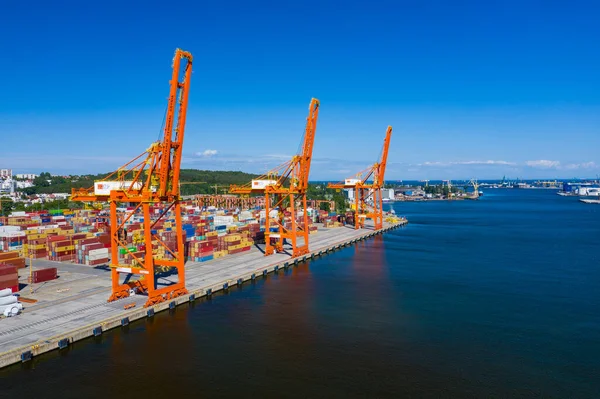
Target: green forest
{"x":48,"y":184}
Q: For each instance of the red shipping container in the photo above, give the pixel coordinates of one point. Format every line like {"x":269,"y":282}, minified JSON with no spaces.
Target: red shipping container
{"x":10,"y":278}
{"x":98,"y":262}
{"x":19,"y":262}
{"x":41,"y":275}
{"x":89,"y":247}
{"x":14,"y":286}
{"x":7,"y":270}
{"x":56,"y":238}
{"x":88,"y":241}
{"x":9,"y":255}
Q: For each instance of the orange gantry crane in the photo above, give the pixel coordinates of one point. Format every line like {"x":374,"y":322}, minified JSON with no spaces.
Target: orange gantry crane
{"x":283,"y":186}
{"x":150,"y":179}
{"x":365,"y":191}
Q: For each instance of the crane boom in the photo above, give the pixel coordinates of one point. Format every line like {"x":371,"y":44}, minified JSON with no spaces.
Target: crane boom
{"x":309,"y":142}
{"x":177,"y":107}
{"x":384,"y":156}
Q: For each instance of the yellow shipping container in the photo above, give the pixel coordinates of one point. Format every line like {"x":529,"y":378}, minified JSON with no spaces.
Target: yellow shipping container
{"x":36,"y":236}
{"x":233,"y":237}
{"x":65,"y":248}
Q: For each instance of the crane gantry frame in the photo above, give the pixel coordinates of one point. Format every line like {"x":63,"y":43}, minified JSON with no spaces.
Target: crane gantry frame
{"x":150,"y":178}
{"x":287,"y":183}
{"x":363,"y":190}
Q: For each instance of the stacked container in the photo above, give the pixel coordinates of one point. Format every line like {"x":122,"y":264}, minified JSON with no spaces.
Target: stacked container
{"x":9,"y":277}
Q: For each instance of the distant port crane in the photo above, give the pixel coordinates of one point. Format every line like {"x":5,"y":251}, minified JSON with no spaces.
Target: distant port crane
{"x":475,"y":185}
{"x":283,"y":186}
{"x":449,"y":185}
{"x":365,"y":192}
{"x":149,"y":179}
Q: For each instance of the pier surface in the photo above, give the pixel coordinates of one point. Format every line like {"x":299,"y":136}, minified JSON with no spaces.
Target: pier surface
{"x":75,"y":306}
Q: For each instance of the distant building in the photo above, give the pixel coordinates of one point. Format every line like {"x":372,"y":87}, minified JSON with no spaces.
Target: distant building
{"x":27,"y":176}
{"x":6,"y":173}
{"x":7,"y":186}
{"x":387,"y":194}
{"x":576,"y":186}
{"x":23,"y":184}
{"x":349,"y":194}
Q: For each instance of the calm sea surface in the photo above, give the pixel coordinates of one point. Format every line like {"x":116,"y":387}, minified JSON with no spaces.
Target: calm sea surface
{"x":494,"y":298}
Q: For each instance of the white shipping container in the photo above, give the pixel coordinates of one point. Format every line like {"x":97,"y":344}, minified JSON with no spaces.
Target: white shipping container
{"x":105,"y":187}
{"x":101,"y":251}
{"x":18,"y":213}
{"x":47,"y":227}
{"x":6,"y":229}
{"x":260,"y":184}
{"x":223,"y":220}
{"x":245,"y":215}
{"x":12,"y":234}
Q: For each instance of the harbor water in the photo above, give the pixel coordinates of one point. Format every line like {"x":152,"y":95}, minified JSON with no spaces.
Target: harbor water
{"x":498,"y":297}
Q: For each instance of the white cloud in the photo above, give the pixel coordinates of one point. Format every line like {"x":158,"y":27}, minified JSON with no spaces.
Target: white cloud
{"x":585,"y":165}
{"x":543,"y":164}
{"x":546,"y":164}
{"x":488,"y":162}
{"x":207,"y":153}
{"x":278,"y":156}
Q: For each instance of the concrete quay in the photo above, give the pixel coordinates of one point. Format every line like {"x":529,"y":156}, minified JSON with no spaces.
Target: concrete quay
{"x":75,"y":307}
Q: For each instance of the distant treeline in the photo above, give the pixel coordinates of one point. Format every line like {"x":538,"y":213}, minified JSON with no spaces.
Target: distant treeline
{"x":47,"y":184}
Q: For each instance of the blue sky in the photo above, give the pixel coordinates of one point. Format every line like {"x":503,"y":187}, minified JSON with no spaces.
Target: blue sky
{"x":472,"y":88}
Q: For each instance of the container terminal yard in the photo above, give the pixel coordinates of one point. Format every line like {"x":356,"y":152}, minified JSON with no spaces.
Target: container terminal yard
{"x":139,"y":248}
